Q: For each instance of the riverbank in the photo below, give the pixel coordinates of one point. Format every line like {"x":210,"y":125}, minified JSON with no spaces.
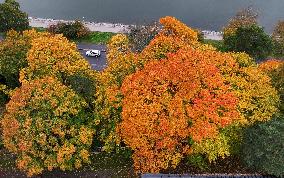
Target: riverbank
{"x":107,"y":27}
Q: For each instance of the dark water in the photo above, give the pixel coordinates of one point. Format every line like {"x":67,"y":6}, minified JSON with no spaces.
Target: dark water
{"x":204,"y":14}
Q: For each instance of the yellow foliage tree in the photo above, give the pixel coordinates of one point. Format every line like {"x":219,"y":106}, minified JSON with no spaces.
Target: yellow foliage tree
{"x":275,"y":69}
{"x":46,"y":125}
{"x":118,"y":45}
{"x":53,"y":55}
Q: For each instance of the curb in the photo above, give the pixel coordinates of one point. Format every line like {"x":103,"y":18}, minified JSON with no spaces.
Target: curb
{"x":206,"y":176}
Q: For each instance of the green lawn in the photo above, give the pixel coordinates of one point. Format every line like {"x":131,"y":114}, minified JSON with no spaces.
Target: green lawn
{"x":97,"y":38}
{"x":39,"y":29}
{"x":93,"y":37}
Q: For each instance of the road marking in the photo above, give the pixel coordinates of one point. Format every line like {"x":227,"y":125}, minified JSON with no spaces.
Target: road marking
{"x":103,"y":50}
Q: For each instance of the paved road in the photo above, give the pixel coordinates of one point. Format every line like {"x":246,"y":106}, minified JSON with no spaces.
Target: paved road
{"x":96,"y":63}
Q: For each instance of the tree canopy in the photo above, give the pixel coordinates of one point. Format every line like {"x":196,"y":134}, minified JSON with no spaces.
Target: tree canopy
{"x":11,"y":17}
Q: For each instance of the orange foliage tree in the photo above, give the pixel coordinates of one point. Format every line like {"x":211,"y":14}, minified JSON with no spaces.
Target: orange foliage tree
{"x":270,"y":65}
{"x":170,"y":104}
{"x":122,"y":62}
{"x":257,"y":98}
{"x":47,"y":126}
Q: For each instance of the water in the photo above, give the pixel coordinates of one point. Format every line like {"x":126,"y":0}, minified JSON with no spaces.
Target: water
{"x":203,"y":14}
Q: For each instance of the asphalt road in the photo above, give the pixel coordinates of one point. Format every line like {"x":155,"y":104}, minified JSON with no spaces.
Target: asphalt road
{"x":96,"y":63}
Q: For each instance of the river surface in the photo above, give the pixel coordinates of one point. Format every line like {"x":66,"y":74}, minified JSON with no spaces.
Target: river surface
{"x":203,"y":14}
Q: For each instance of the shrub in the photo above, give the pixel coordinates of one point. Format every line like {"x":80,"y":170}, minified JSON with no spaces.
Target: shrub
{"x":166,"y":105}
{"x":263,"y":146}
{"x":71,"y":30}
{"x":98,"y":37}
{"x":250,"y":39}
{"x":11,"y":17}
{"x":46,"y":125}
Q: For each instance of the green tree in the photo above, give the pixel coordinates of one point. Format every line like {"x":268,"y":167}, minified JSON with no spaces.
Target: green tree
{"x":11,"y":17}
{"x":263,"y":146}
{"x":250,"y":39}
{"x":13,"y":57}
{"x":71,"y":30}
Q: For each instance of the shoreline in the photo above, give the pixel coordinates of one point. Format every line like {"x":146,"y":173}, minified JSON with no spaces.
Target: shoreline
{"x":107,"y":27}
{"x":93,"y":26}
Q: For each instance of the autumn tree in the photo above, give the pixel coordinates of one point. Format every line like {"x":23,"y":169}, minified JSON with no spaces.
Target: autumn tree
{"x":11,"y":17}
{"x":46,"y":125}
{"x":121,"y":63}
{"x":278,"y":39}
{"x":275,"y":69}
{"x":172,"y":103}
{"x":53,"y":107}
{"x":245,"y":17}
{"x":117,"y":47}
{"x":257,"y":99}
{"x":53,"y":55}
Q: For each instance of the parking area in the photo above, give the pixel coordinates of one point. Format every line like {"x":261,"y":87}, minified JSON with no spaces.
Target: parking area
{"x":96,"y":63}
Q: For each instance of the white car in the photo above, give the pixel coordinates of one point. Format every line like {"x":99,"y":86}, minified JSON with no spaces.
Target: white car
{"x":93,"y":53}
